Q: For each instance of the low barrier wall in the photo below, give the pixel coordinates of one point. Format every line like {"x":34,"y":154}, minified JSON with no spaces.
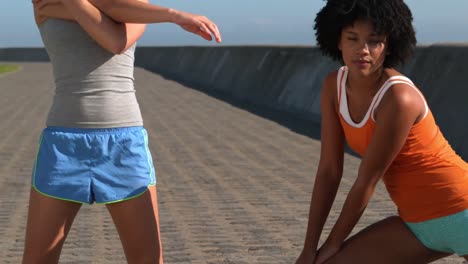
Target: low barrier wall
{"x":289,"y":78}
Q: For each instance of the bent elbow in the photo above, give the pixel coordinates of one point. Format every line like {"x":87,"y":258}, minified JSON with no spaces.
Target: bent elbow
{"x":119,"y":50}
{"x":117,"y":47}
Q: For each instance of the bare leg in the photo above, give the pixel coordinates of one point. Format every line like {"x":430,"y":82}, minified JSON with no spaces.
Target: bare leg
{"x":466,"y":257}
{"x":387,"y":241}
{"x":137,"y":221}
{"x":49,"y":221}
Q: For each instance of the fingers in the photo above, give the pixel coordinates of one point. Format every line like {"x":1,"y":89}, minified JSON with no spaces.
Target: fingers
{"x":215,"y":31}
{"x":197,"y":31}
{"x":206,"y":29}
{"x":39,"y":4}
{"x":211,"y":28}
{"x":205,"y":32}
{"x":196,"y":24}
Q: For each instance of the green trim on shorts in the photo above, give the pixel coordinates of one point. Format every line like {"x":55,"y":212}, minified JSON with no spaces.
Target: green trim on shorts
{"x":151,"y":175}
{"x":58,"y":198}
{"x":126,"y":199}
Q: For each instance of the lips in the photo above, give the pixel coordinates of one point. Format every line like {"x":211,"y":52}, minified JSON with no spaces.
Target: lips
{"x":361,"y":61}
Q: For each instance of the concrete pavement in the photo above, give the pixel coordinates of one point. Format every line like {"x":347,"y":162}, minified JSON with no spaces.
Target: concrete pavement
{"x":233,"y":187}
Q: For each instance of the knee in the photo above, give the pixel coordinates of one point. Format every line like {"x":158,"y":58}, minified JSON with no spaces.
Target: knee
{"x":394,"y":220}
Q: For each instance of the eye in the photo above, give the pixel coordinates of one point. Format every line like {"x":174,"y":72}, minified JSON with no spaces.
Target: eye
{"x":351,"y":38}
{"x":375,"y":42}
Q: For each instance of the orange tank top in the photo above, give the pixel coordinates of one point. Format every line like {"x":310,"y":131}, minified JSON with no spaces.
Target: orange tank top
{"x":427,"y":179}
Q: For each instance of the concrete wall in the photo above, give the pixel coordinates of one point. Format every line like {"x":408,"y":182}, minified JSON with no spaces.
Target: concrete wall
{"x":284,"y":78}
{"x":289,"y":78}
{"x":441,"y":73}
{"x":24,"y":54}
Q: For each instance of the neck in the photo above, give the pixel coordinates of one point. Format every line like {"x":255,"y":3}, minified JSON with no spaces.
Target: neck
{"x":368,"y":84}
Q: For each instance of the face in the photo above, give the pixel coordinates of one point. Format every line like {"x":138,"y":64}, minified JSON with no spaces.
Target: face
{"x":363,"y":50}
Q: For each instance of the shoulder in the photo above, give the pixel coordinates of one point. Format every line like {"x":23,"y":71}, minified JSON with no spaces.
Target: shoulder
{"x":331,"y":76}
{"x":330,"y":82}
{"x":329,"y":89}
{"x":402,"y":99}
{"x":402,"y":93}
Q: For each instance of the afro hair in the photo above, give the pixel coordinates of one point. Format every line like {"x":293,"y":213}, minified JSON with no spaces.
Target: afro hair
{"x":392,"y":18}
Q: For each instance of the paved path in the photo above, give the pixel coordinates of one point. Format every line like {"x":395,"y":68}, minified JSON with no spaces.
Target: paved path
{"x":233,"y":187}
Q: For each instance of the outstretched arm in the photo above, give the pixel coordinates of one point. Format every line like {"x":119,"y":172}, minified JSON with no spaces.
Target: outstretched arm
{"x":139,"y":12}
{"x":329,"y":172}
{"x":398,"y":111}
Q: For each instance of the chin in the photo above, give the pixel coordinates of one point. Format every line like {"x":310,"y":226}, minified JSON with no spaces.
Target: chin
{"x":361,"y":71}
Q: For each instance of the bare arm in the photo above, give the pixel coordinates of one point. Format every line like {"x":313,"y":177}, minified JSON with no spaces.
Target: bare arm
{"x":398,"y":111}
{"x":51,"y":11}
{"x":330,"y":169}
{"x":38,"y":17}
{"x":114,"y":36}
{"x":131,"y":11}
{"x":134,"y":11}
{"x":100,"y":27}
{"x":139,"y":12}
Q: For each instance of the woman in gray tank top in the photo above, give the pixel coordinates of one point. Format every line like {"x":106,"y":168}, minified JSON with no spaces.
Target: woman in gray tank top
{"x":94,"y":147}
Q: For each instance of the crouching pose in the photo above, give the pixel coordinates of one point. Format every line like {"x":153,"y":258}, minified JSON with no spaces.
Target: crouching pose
{"x":384,"y":117}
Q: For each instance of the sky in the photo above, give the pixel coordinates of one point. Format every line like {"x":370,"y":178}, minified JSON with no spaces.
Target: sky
{"x":250,"y":22}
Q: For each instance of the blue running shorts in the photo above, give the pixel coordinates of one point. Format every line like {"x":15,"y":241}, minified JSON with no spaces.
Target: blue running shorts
{"x":102,"y":165}
{"x":445,"y":234}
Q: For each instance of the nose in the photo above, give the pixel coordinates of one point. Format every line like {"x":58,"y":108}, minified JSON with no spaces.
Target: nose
{"x":363,"y":47}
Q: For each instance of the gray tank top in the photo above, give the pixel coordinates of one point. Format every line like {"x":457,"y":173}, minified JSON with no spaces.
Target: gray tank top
{"x":93,"y":87}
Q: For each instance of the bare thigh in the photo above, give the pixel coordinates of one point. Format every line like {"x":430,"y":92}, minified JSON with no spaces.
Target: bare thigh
{"x":49,"y":221}
{"x":137,"y":222}
{"x":387,"y":241}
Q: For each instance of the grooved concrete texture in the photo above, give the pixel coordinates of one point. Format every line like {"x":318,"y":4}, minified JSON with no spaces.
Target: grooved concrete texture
{"x":290,"y":78}
{"x":233,"y":187}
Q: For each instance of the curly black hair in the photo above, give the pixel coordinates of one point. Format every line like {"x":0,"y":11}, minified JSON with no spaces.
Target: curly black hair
{"x":392,"y":18}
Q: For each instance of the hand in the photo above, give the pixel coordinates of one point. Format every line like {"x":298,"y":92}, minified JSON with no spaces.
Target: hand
{"x":306,"y":257}
{"x":327,"y":250}
{"x":42,"y":3}
{"x":196,"y":24}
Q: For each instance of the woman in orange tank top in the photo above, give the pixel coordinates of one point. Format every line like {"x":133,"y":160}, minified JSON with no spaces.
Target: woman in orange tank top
{"x":383,"y":117}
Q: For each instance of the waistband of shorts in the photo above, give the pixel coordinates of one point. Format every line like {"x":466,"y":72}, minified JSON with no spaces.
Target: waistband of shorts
{"x":77,"y":130}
